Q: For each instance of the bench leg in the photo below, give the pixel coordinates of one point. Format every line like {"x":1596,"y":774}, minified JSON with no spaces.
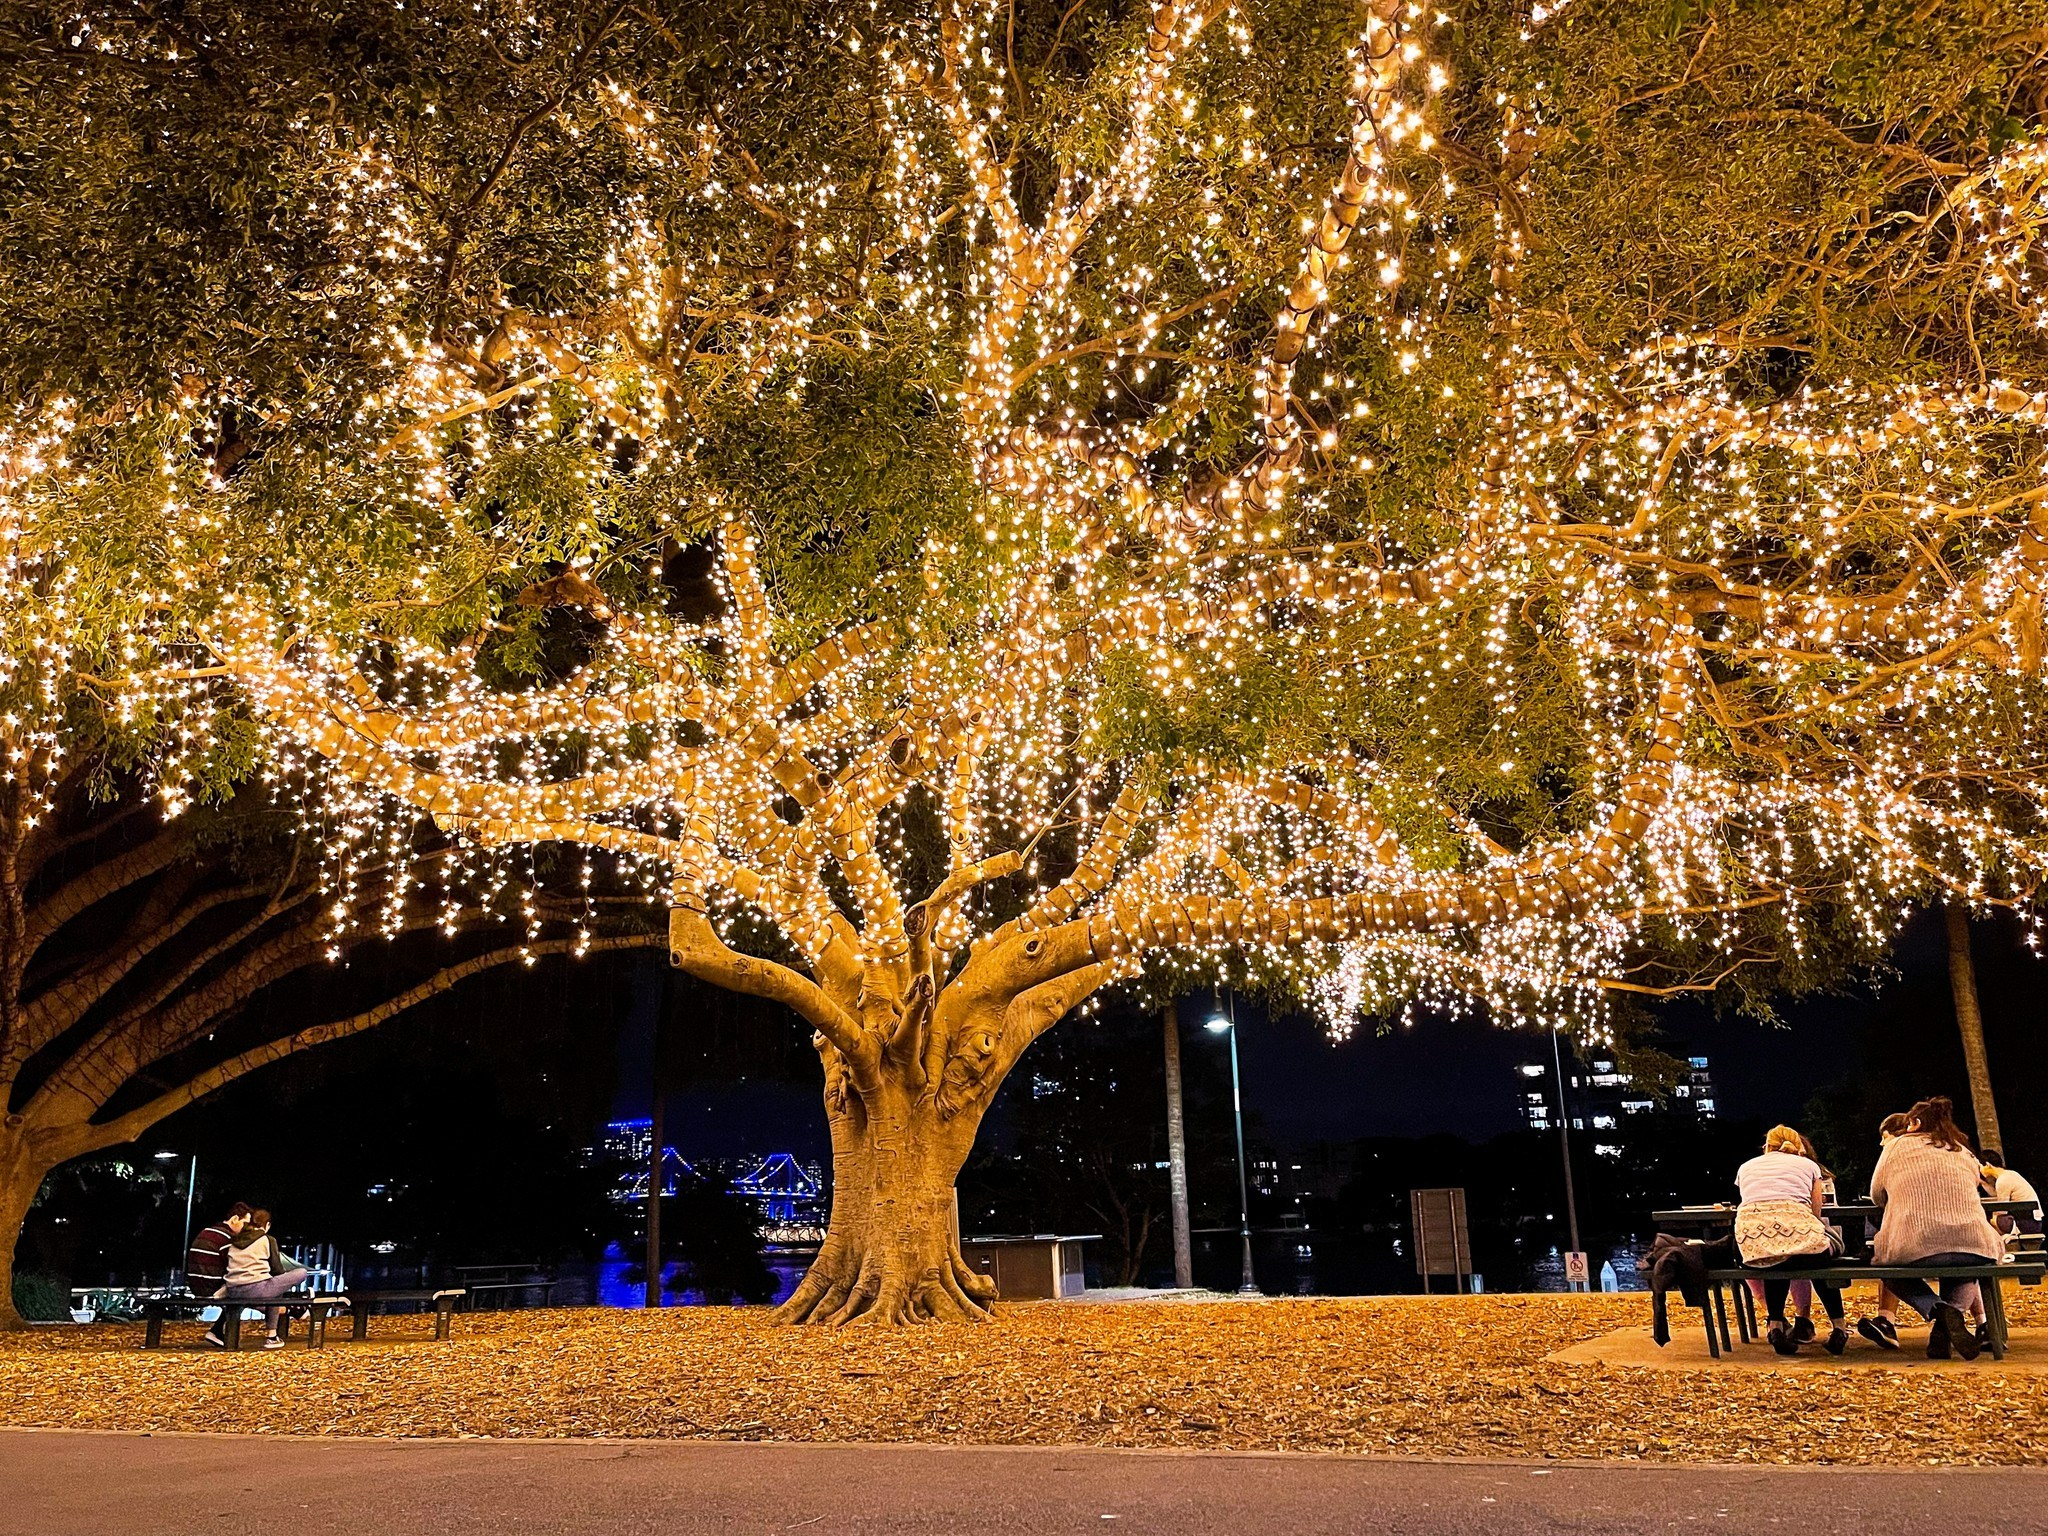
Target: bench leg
{"x":1721,"y":1315}
{"x":1746,"y":1299}
{"x":316,"y":1328}
{"x":361,"y":1313}
{"x":442,"y":1310}
{"x":153,"y":1331}
{"x":1707,"y":1317}
{"x":1994,"y":1313}
{"x":231,"y":1323}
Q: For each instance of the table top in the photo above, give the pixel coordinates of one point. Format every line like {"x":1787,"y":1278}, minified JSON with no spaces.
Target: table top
{"x":1697,"y":1214}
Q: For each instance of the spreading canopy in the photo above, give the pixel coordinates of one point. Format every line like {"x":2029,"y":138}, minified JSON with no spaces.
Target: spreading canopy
{"x":1200,"y":478}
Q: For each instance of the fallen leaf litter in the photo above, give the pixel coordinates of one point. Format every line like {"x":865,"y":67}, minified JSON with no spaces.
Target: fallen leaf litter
{"x":1387,"y":1375}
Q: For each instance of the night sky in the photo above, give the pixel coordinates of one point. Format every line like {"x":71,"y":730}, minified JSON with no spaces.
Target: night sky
{"x":1454,"y":1075}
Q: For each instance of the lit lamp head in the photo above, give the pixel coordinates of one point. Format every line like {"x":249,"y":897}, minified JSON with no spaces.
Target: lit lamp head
{"x":1217,"y":1025}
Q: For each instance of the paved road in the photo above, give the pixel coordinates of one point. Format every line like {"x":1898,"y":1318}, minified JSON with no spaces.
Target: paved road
{"x":56,"y":1484}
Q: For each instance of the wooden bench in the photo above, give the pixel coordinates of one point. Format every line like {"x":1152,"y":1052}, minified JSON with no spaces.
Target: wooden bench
{"x":363,"y":1303}
{"x":1989,"y":1276}
{"x":155,"y":1309}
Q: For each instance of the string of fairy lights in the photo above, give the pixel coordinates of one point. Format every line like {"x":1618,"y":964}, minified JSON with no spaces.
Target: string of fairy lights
{"x":1803,"y":638}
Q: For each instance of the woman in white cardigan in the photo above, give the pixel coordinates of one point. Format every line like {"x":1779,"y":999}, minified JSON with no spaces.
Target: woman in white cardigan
{"x":1926,"y":1180}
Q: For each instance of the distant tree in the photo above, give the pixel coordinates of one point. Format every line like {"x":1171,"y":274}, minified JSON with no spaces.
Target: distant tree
{"x":1084,"y":1139}
{"x":150,"y":962}
{"x":717,"y":1236}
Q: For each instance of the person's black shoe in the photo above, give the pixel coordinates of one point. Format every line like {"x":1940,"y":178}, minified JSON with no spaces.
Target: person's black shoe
{"x":1838,"y":1339}
{"x":1802,"y":1331}
{"x":1937,"y":1336}
{"x":1961,"y":1337}
{"x":1879,"y":1330}
{"x":1984,"y":1335}
{"x":1782,"y":1340}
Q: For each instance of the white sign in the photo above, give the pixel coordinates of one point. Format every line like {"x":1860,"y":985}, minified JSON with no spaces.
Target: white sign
{"x":1575,"y":1271}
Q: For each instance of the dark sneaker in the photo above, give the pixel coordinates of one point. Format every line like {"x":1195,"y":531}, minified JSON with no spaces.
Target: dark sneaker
{"x":1802,"y":1331}
{"x":1838,"y":1339}
{"x":1782,"y":1340}
{"x":1961,"y":1336}
{"x":212,"y":1336}
{"x":1879,"y":1331}
{"x":1984,"y":1335}
{"x":1937,"y":1336}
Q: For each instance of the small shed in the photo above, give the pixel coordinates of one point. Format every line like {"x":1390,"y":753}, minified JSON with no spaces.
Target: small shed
{"x":1035,"y":1267}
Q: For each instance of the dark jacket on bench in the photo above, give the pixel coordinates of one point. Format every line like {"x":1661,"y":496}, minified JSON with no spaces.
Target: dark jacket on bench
{"x":1674,"y":1261}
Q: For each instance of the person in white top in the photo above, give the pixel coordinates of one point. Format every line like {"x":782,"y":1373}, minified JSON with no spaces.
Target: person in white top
{"x":1778,"y":1227}
{"x":259,"y":1271}
{"x":2001,"y":1183}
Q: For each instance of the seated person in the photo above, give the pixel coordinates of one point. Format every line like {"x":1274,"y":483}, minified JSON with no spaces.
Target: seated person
{"x":2001,"y":1183}
{"x":1926,"y":1181}
{"x":257,"y":1271}
{"x":1778,"y":1226}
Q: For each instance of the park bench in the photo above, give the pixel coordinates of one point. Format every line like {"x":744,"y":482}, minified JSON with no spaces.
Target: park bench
{"x":363,"y":1303}
{"x":155,"y":1309}
{"x":1988,"y":1274}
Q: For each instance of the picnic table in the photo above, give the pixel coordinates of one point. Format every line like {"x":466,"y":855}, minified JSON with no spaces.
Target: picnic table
{"x":1855,"y":1219}
{"x":505,"y":1284}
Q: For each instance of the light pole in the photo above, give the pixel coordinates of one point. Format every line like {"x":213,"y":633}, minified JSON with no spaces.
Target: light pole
{"x":1564,"y":1141}
{"x":1226,"y":1024}
{"x":191,"y":1185}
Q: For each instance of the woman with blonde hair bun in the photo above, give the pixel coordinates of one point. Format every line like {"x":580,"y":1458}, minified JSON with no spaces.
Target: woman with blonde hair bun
{"x":1778,"y":1227}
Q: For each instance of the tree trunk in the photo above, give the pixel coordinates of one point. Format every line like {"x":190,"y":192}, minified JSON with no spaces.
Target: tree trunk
{"x":890,"y":1255}
{"x":20,"y":1177}
{"x":1177,"y":1157}
{"x":1962,"y":979}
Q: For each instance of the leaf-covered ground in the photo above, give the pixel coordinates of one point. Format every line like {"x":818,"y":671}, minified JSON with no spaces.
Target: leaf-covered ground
{"x":1389,"y":1375}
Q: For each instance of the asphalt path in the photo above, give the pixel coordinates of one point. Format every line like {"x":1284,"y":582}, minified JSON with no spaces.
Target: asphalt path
{"x":61,"y":1484}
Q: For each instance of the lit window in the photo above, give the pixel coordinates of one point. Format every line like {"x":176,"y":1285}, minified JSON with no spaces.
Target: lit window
{"x":1603,"y":1122}
{"x":1606,"y":1149}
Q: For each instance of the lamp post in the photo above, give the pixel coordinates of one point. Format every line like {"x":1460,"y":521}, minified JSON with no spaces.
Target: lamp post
{"x":1564,"y":1142}
{"x":1226,"y":1024}
{"x":191,"y":1186}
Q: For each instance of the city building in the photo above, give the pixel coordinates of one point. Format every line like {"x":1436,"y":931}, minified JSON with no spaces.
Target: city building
{"x":1599,"y":1095}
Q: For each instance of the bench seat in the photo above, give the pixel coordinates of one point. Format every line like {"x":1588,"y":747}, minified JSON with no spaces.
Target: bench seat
{"x":155,"y":1309}
{"x":443,"y":1300}
{"x":1847,"y":1273}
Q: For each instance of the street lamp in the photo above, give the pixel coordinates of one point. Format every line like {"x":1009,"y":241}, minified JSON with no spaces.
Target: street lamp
{"x":1564,"y":1142}
{"x":1226,"y":1024}
{"x":191,"y":1185}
